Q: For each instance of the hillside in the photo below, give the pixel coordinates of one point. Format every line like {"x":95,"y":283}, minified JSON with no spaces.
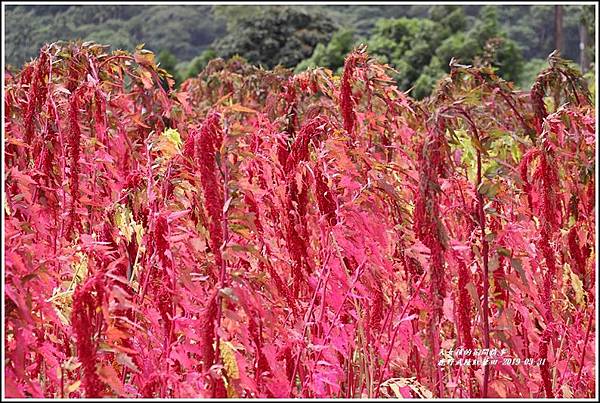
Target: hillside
{"x":186,"y":31}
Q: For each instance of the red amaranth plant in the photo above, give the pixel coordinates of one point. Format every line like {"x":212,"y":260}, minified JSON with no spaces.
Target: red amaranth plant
{"x":347,"y":102}
{"x":207,"y":325}
{"x":74,"y":149}
{"x":577,"y":254}
{"x":36,"y":97}
{"x":296,"y":201}
{"x":464,"y":307}
{"x":208,"y":143}
{"x":164,"y":286}
{"x":315,"y":238}
{"x":325,"y":198}
{"x":429,"y":229}
{"x":87,"y":322}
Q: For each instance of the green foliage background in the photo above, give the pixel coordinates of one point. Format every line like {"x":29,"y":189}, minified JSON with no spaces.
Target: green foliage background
{"x":417,"y":40}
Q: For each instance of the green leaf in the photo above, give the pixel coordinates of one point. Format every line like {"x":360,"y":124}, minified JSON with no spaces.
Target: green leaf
{"x":173,"y":136}
{"x":488,"y":189}
{"x":504,"y":252}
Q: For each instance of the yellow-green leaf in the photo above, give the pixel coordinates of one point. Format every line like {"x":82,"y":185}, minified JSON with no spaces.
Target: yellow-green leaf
{"x":228,"y":354}
{"x":577,"y":287}
{"x":74,"y":386}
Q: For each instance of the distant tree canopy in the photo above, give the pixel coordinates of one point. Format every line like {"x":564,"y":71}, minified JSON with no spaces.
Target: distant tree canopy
{"x":198,"y":63}
{"x":408,"y":44}
{"x":331,"y":55}
{"x":168,"y":62}
{"x":417,"y":40}
{"x":283,"y":36}
{"x":485,"y":40}
{"x":184,"y":30}
{"x":164,"y":30}
{"x":421,"y":48}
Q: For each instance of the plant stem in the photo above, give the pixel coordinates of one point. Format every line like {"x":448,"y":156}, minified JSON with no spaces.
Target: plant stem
{"x":224,"y":226}
{"x":562,"y":340}
{"x":485,"y":252}
{"x":389,"y":353}
{"x":587,"y":335}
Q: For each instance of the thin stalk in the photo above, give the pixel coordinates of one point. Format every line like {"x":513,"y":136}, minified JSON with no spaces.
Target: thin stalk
{"x":387,"y":322}
{"x":485,"y":253}
{"x":485,"y":256}
{"x":359,"y":271}
{"x":306,"y":317}
{"x":223,"y":268}
{"x":62,"y":382}
{"x":519,"y":116}
{"x":349,"y":377}
{"x":311,"y":308}
{"x":436,"y":351}
{"x":562,"y":340}
{"x":389,"y":353}
{"x":587,"y":335}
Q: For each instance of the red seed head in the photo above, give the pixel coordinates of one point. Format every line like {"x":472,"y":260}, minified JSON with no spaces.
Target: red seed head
{"x":543,"y":353}
{"x":427,"y":223}
{"x":189,"y":147}
{"x":575,"y":252}
{"x":537,"y":94}
{"x":85,"y":318}
{"x":100,"y":115}
{"x":207,"y":324}
{"x":346,"y":98}
{"x":75,"y":148}
{"x":36,"y":96}
{"x":376,"y":311}
{"x":325,"y":198}
{"x":209,"y":143}
{"x":161,"y":232}
{"x":299,"y":151}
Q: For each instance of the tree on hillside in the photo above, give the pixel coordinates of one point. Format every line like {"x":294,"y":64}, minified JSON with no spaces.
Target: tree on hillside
{"x":408,"y":44}
{"x":420,"y":49}
{"x":331,"y":55}
{"x":198,"y":63}
{"x":185,"y":30}
{"x":484,"y":37}
{"x":283,"y":36}
{"x":168,"y":62}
